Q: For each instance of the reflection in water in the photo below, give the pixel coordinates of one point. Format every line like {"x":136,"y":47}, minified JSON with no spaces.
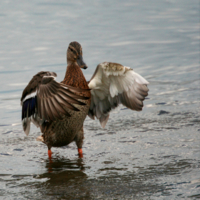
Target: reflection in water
{"x":58,"y":164}
{"x":65,"y":179}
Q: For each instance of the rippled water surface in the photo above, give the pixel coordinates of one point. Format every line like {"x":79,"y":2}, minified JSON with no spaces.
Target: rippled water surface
{"x":153,"y":154}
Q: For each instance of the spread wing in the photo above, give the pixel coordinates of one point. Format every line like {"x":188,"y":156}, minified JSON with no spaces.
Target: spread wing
{"x":112,"y":84}
{"x":44,"y":99}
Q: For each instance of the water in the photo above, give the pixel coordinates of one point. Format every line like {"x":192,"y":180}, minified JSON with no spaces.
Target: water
{"x":153,"y":154}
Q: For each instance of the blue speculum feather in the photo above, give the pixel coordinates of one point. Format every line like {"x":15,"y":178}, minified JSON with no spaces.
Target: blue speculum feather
{"x":28,"y":107}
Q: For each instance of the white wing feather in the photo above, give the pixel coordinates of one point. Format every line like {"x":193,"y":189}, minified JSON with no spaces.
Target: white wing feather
{"x":113,"y":84}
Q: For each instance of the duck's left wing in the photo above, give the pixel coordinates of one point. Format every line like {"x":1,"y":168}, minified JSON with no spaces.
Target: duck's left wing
{"x":45,"y":100}
{"x":112,"y":84}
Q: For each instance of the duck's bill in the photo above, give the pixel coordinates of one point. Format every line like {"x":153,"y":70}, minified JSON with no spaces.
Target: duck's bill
{"x":81,"y":63}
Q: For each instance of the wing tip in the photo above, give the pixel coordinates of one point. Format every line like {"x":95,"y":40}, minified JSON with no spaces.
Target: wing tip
{"x":26,"y":123}
{"x":103,"y":120}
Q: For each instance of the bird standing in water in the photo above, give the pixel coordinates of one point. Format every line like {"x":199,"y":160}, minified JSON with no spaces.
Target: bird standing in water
{"x":59,"y":109}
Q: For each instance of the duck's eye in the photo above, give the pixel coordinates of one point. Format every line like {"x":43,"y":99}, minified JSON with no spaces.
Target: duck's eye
{"x":71,"y":50}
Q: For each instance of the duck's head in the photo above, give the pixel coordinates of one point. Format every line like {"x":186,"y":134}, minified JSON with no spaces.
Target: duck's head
{"x":75,"y":55}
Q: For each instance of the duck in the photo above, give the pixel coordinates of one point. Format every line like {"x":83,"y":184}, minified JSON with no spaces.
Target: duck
{"x":59,"y":109}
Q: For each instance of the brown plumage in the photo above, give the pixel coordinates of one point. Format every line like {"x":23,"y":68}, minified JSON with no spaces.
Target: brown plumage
{"x":59,"y":109}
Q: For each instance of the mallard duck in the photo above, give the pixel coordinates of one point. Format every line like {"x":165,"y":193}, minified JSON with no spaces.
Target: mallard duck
{"x":59,"y":109}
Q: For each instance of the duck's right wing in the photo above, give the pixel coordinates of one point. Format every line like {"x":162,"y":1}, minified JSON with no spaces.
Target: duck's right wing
{"x":44,"y":99}
{"x":112,"y":84}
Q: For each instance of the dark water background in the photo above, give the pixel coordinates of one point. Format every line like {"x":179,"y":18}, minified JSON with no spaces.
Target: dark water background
{"x":153,"y":154}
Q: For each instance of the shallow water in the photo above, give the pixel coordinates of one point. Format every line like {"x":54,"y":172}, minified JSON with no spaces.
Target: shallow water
{"x":153,"y":154}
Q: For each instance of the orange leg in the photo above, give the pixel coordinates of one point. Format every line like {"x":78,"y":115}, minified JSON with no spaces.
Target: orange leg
{"x":79,"y":142}
{"x":49,"y":154}
{"x":50,"y":161}
{"x":80,"y":153}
